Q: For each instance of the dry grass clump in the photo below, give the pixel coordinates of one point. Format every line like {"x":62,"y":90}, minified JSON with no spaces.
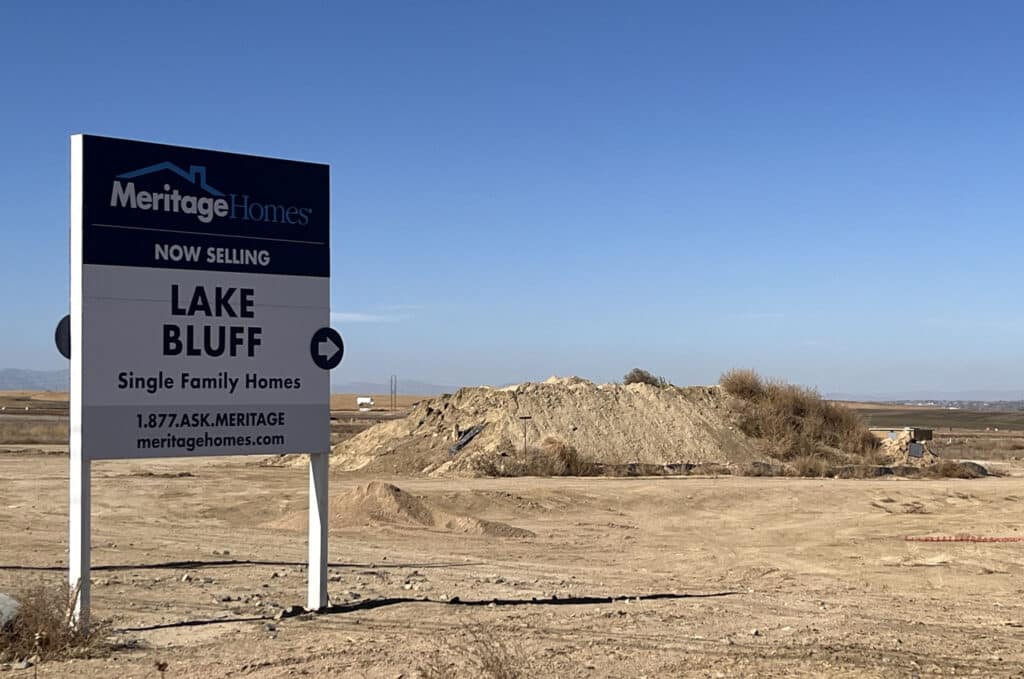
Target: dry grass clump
{"x":33,"y":431}
{"x":798,"y":426}
{"x":811,"y":465}
{"x":481,"y":653}
{"x":554,"y":457}
{"x":639,"y":376}
{"x":564,"y":459}
{"x":43,"y":628}
{"x":950,"y":469}
{"x":743,"y":383}
{"x":761,"y":468}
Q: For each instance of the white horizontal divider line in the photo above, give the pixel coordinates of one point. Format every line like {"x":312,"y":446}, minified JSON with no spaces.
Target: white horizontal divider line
{"x":206,"y":233}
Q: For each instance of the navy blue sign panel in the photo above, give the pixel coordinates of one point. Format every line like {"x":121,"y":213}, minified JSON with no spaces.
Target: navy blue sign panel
{"x":152,"y":205}
{"x":62,"y":336}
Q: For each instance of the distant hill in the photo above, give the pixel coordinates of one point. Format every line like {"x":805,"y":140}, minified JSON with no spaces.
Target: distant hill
{"x":15,"y":379}
{"x":990,"y":395}
{"x":405,"y":387}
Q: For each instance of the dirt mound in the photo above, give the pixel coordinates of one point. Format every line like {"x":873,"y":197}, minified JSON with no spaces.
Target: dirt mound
{"x":378,"y":503}
{"x":611,"y":424}
{"x":569,"y":381}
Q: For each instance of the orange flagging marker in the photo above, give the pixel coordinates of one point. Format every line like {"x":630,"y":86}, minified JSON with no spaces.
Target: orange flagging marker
{"x":960,"y":538}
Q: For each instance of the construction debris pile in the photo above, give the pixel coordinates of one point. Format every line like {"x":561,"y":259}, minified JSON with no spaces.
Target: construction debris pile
{"x":908,"y":445}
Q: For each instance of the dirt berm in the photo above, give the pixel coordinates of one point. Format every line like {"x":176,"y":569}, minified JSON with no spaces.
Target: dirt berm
{"x":382,"y":504}
{"x":609,"y":424}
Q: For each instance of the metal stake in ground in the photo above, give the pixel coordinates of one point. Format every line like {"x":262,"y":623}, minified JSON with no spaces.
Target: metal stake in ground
{"x":523,"y":419}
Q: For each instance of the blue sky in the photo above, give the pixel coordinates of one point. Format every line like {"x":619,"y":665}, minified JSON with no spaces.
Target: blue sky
{"x":827,"y":192}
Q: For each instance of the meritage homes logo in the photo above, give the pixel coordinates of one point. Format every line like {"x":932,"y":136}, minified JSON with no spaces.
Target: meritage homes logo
{"x":206,"y":207}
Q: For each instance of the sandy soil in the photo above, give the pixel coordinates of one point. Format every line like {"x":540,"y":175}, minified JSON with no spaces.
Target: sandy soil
{"x":603,"y":423}
{"x":702,"y":577}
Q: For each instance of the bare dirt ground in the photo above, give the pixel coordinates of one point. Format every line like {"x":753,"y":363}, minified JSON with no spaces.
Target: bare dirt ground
{"x":666,"y":577}
{"x":381,"y":402}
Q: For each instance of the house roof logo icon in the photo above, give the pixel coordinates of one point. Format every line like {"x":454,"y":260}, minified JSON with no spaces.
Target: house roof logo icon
{"x":196,"y":174}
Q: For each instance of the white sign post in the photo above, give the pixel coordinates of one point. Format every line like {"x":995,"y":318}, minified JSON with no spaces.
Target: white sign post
{"x":200,"y":306}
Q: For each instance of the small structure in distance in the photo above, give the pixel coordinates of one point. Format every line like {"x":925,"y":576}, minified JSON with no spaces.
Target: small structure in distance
{"x":909,"y":440}
{"x":364,"y":403}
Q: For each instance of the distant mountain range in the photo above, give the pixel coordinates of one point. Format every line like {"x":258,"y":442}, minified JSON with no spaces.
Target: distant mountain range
{"x":991,"y":395}
{"x":15,"y":379}
{"x":405,"y":387}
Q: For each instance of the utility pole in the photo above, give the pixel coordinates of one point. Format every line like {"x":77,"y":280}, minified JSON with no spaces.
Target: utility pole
{"x":523,"y":419}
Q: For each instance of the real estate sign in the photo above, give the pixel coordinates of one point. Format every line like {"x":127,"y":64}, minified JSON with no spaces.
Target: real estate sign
{"x":200,"y":311}
{"x":199,"y":282}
